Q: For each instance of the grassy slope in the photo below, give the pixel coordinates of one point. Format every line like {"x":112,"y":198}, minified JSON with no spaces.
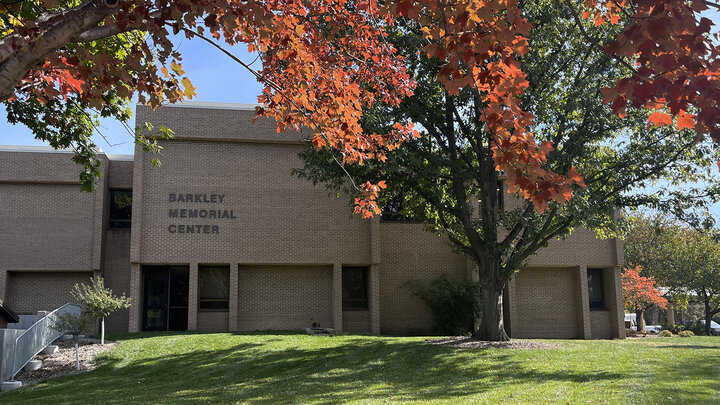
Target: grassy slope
{"x":292,"y":368}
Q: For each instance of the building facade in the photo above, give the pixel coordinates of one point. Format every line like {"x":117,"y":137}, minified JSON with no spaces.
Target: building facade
{"x":222,"y":237}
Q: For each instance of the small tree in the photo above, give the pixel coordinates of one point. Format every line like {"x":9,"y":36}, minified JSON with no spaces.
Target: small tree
{"x":639,"y":294}
{"x":99,"y":301}
{"x":74,"y":325}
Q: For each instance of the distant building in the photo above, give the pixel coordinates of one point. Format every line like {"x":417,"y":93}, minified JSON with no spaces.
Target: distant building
{"x":223,"y":238}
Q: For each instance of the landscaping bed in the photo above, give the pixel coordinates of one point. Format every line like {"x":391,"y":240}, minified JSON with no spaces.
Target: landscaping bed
{"x":63,"y":362}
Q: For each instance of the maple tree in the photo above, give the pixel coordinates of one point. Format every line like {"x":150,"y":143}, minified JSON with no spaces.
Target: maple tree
{"x":447,"y":177}
{"x":639,"y":294}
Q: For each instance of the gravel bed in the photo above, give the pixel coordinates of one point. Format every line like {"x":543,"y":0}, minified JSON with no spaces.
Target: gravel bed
{"x":465,"y":342}
{"x":63,"y":362}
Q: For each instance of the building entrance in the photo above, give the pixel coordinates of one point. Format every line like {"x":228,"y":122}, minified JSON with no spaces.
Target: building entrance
{"x":165,"y":298}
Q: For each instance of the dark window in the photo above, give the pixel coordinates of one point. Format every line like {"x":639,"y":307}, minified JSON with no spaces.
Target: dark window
{"x":596,"y":288}
{"x":120,"y":209}
{"x":213,"y":288}
{"x":392,"y":212}
{"x":354,"y":288}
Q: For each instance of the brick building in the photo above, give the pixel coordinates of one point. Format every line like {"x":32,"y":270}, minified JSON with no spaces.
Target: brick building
{"x":223,"y":237}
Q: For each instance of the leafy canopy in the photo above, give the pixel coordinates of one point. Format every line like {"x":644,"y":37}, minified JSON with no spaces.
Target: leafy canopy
{"x":98,"y":300}
{"x":326,"y":62}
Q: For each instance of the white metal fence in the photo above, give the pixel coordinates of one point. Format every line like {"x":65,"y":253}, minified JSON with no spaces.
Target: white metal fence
{"x":38,"y":336}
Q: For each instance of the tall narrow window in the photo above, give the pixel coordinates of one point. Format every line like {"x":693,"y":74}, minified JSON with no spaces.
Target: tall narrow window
{"x":213,"y":288}
{"x":120,"y":209}
{"x":354,"y":288}
{"x":596,"y":288}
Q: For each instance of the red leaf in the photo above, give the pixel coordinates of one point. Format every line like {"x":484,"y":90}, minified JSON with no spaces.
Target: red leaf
{"x":660,"y":119}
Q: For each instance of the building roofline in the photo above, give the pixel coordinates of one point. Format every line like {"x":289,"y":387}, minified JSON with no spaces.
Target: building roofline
{"x":121,"y":156}
{"x":213,"y":105}
{"x":34,"y":148}
{"x":50,"y":149}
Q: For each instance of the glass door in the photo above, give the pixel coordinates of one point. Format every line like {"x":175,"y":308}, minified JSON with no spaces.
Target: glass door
{"x":155,"y":302}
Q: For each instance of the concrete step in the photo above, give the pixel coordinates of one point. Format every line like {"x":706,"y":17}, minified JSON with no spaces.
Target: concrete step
{"x":52,"y":349}
{"x":33,"y":365}
{"x":10,"y":385}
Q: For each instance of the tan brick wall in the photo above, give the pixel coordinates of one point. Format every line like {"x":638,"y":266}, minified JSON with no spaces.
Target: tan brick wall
{"x":212,"y":321}
{"x":116,"y":271}
{"x":284,"y":297}
{"x":600,"y":321}
{"x":408,"y":252}
{"x":121,"y":174}
{"x":46,"y":227}
{"x":544,"y":303}
{"x":29,"y":292}
{"x":356,"y":321}
{"x":265,"y":198}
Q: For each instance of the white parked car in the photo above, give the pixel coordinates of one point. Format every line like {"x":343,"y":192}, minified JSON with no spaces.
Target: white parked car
{"x":714,"y":327}
{"x":648,"y":328}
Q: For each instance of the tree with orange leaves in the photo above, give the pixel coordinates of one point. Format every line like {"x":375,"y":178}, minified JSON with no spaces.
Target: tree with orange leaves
{"x":639,"y":294}
{"x":448,"y":178}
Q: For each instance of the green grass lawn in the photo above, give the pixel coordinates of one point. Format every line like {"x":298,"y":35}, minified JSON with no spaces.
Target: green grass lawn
{"x":295,"y":368}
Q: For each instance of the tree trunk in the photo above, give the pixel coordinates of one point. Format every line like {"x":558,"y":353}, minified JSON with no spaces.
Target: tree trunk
{"x":492,"y":327}
{"x":102,"y":331}
{"x":670,"y":316}
{"x":708,"y":318}
{"x":640,"y":320}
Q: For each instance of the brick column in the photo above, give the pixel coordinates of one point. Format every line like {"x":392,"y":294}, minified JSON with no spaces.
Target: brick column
{"x":584,"y":326}
{"x":193,"y":297}
{"x":374,"y":299}
{"x":374,"y":276}
{"x":3,"y":283}
{"x":234,"y":290}
{"x":135,"y":316}
{"x":337,"y":297}
{"x":614,"y":298}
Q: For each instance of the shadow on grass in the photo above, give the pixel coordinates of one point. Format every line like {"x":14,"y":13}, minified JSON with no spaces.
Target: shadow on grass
{"x":348,"y":370}
{"x":692,"y":347}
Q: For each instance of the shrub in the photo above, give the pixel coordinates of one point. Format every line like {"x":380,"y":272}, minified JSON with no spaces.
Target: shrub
{"x":453,"y":304}
{"x":697,"y":328}
{"x":666,"y":333}
{"x":99,"y":301}
{"x":686,"y":333}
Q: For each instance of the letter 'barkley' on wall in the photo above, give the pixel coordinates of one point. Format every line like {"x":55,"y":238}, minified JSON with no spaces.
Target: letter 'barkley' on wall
{"x":193,"y":198}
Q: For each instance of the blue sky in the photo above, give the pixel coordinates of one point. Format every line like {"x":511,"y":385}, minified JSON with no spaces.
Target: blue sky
{"x":215,"y":76}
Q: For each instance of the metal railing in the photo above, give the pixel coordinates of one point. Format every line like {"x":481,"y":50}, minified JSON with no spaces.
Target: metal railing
{"x":38,"y":336}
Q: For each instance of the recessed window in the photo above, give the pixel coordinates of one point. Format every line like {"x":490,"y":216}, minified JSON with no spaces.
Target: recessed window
{"x":393,"y":211}
{"x":354,"y":288}
{"x":213,"y":288}
{"x":596,"y":288}
{"x":120,"y":209}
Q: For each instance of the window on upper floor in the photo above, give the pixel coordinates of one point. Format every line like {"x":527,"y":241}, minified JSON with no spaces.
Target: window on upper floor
{"x":354,"y":288}
{"x":596,"y":288}
{"x":120,"y":209}
{"x":392,"y":212}
{"x":214,"y":288}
